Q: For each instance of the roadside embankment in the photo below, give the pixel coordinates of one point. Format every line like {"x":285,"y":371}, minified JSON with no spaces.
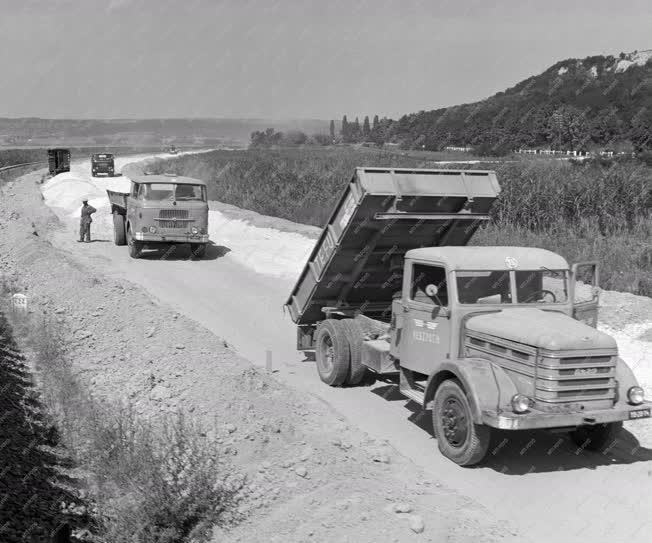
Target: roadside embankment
{"x":308,"y":472}
{"x":38,"y":489}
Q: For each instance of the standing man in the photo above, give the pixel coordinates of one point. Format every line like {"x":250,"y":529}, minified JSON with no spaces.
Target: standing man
{"x":85,"y":223}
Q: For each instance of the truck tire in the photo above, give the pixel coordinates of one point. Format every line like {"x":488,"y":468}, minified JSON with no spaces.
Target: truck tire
{"x":458,"y":437}
{"x":354,"y":335}
{"x":596,"y":438}
{"x":198,"y":250}
{"x":332,"y":352}
{"x":135,"y":247}
{"x":119,"y":229}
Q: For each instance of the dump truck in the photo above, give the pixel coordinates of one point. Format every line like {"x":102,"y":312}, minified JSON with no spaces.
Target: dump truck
{"x":102,"y":163}
{"x":484,"y":337}
{"x":161,"y":210}
{"x":58,"y":161}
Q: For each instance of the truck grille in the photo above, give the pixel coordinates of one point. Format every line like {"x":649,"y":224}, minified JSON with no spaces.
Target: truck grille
{"x":173,"y":218}
{"x":557,"y":377}
{"x":575,"y":378}
{"x":173,"y":214}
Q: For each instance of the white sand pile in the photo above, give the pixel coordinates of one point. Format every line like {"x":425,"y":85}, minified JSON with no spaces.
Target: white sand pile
{"x":265,"y":250}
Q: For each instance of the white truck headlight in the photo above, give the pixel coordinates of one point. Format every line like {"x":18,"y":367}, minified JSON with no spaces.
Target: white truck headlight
{"x":636,"y":395}
{"x":152,"y":229}
{"x":521,"y":403}
{"x":194,"y":230}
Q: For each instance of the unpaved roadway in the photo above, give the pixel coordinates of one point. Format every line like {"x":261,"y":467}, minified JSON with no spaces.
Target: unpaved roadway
{"x":537,"y":482}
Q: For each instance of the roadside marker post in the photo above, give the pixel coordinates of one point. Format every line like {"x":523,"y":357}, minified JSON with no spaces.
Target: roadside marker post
{"x":19,"y":303}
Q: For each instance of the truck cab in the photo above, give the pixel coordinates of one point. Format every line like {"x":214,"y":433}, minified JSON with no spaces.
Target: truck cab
{"x":511,"y":331}
{"x":161,"y":209}
{"x":102,"y":163}
{"x":484,"y":337}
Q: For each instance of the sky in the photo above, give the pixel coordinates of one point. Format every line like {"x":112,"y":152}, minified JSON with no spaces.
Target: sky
{"x":290,"y":59}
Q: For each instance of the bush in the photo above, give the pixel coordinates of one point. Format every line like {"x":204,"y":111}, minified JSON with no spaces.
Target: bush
{"x":151,"y":480}
{"x":602,"y":206}
{"x":296,"y":184}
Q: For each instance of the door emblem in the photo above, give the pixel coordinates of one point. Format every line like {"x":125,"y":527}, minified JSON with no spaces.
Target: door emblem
{"x":420,"y":323}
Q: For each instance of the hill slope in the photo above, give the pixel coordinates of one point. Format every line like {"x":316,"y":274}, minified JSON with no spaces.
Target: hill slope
{"x":599,"y":101}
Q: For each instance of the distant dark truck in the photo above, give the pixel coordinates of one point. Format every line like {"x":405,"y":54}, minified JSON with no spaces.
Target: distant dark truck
{"x":102,"y":163}
{"x":484,"y":337}
{"x":58,"y":161}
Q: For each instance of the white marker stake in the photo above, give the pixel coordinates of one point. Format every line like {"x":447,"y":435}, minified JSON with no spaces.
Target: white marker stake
{"x":19,"y":302}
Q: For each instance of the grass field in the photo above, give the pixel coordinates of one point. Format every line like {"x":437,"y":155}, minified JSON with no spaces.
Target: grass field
{"x":589,"y":210}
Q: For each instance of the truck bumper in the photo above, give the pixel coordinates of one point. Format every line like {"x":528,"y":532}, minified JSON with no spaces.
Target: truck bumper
{"x":147,"y":237}
{"x":537,"y":419}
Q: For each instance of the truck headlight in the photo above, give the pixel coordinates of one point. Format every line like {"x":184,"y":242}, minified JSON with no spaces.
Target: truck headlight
{"x":636,"y":395}
{"x":152,"y":229}
{"x":521,"y":403}
{"x":194,"y":230}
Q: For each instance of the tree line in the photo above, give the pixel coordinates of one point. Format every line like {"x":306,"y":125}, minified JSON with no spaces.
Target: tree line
{"x":574,"y":105}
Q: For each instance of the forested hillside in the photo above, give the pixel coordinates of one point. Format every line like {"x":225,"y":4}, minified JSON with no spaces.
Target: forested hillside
{"x":597,"y":102}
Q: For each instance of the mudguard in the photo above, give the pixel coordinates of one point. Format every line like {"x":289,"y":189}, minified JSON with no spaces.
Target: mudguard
{"x":487,"y":386}
{"x":625,"y":378}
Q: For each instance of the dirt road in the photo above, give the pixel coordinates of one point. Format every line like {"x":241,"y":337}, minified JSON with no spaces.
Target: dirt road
{"x":537,"y":481}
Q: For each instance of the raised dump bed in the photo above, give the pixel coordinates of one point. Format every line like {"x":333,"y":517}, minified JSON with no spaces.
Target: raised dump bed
{"x":357,"y":262}
{"x":118,"y":201}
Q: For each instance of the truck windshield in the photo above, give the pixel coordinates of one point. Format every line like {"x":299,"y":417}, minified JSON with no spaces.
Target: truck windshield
{"x":494,"y":287}
{"x":483,"y":287}
{"x":172,"y":191}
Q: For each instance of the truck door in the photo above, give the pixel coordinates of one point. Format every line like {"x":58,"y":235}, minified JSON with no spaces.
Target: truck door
{"x":425,"y":338}
{"x":585,"y":292}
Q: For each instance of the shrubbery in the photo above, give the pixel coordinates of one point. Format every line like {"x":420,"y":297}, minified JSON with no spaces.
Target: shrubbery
{"x":602,"y":205}
{"x":159,"y":480}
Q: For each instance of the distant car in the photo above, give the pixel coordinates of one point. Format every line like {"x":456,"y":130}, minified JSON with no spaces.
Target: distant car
{"x":102,"y":163}
{"x":173,"y":150}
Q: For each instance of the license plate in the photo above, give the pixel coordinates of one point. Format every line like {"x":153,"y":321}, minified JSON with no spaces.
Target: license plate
{"x":639,"y":414}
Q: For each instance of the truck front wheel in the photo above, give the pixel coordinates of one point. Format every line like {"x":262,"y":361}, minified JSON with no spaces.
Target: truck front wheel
{"x":596,"y":438}
{"x":458,"y":437}
{"x":135,"y":247}
{"x":332,"y":352}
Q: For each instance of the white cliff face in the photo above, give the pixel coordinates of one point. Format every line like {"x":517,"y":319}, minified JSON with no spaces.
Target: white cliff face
{"x":637,"y":58}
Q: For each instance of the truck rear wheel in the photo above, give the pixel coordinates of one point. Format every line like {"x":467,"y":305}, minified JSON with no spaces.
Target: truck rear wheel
{"x":119,"y":229}
{"x":596,"y":438}
{"x":458,"y":437}
{"x":332,"y":352}
{"x":354,"y":335}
